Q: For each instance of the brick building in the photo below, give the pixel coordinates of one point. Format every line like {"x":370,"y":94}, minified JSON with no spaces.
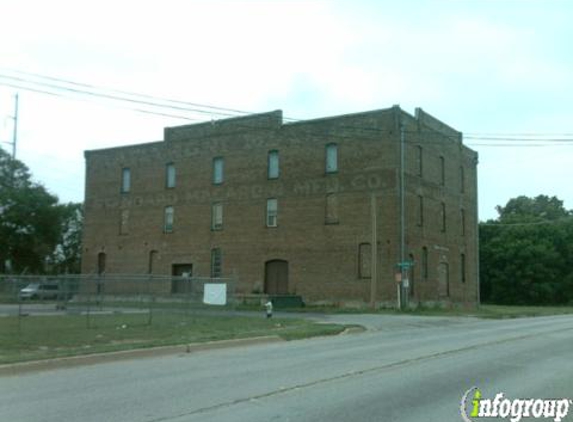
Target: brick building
{"x":314,"y":208}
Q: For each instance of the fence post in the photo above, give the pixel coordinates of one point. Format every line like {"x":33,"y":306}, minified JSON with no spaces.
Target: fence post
{"x":88,"y":288}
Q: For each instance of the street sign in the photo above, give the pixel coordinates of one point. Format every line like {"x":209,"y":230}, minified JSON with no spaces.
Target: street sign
{"x":405,"y":264}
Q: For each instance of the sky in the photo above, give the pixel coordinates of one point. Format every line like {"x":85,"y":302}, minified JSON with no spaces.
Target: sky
{"x":500,"y":71}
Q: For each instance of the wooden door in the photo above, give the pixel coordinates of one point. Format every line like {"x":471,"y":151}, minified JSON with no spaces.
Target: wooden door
{"x":276,"y":277}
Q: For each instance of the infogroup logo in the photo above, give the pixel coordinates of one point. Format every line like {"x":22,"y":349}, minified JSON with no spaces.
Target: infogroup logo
{"x":474,"y":406}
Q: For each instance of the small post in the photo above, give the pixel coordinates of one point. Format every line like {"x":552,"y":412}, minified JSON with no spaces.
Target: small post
{"x":374,"y":251}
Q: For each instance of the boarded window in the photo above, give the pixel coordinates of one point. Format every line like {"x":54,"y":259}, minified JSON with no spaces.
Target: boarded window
{"x":168,"y":219}
{"x":124,"y":222}
{"x":170,"y":175}
{"x":101,"y":260}
{"x":463,"y":267}
{"x":462,"y":180}
{"x":463,"y":222}
{"x":412,"y":276}
{"x":331,"y":209}
{"x":273,"y":165}
{"x":425,"y":263}
{"x":272,"y":212}
{"x":216,"y":263}
{"x":420,"y":161}
{"x":218,"y":170}
{"x":442,"y":171}
{"x":125,"y":180}
{"x":420,"y":210}
{"x":365,"y":260}
{"x":331,"y":158}
{"x":153,"y":256}
{"x":443,"y":216}
{"x":217,"y":216}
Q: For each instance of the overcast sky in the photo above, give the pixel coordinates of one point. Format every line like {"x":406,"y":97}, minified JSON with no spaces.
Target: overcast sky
{"x":498,"y":69}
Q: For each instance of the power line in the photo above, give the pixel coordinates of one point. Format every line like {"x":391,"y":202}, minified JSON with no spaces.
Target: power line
{"x":134,"y":94}
{"x":509,"y":140}
{"x":46,"y":85}
{"x":139,"y":110}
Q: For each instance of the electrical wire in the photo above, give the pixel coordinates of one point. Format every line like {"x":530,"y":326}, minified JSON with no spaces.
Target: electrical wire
{"x":477,"y":140}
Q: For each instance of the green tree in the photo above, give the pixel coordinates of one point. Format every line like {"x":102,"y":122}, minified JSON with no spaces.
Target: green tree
{"x":66,"y":257}
{"x":526,"y":254}
{"x":524,"y":209}
{"x":30,"y":219}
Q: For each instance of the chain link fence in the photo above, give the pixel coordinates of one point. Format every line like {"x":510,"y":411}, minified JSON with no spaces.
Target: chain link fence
{"x":93,"y":295}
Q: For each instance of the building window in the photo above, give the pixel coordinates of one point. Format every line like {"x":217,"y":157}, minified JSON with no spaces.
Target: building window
{"x":124,"y":222}
{"x":170,"y":175}
{"x":125,"y":180}
{"x":463,"y":222}
{"x":462,"y":180}
{"x":218,"y":168}
{"x":168,"y":219}
{"x":443,"y":216}
{"x":217,"y":216}
{"x":442,"y":171}
{"x":153,"y":255}
{"x":420,"y":210}
{"x":272,"y":211}
{"x":463,"y":267}
{"x":101,"y":259}
{"x":420,"y":161}
{"x":331,"y":158}
{"x":331,"y":209}
{"x":273,"y":164}
{"x":425,"y":263}
{"x":364,"y":260}
{"x":216,"y":263}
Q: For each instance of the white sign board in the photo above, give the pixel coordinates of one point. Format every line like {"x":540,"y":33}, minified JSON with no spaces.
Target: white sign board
{"x":215,"y":294}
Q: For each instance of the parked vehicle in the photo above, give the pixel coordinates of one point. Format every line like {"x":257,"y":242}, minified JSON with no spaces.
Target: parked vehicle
{"x":40,"y":291}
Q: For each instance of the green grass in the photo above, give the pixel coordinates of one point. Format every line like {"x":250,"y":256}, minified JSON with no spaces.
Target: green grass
{"x":503,"y":311}
{"x":45,"y":337}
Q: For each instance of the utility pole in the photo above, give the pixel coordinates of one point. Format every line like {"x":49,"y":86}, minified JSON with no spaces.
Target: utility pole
{"x":15,"y":131}
{"x":374,"y":251}
{"x":14,"y":142}
{"x":402,"y":289}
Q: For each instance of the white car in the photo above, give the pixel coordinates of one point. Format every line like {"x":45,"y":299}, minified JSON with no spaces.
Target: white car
{"x":40,"y":291}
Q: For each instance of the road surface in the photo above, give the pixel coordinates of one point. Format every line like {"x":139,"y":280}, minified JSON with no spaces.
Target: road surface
{"x":404,"y":368}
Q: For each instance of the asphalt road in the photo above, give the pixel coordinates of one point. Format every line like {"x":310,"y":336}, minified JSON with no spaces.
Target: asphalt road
{"x":403,"y":369}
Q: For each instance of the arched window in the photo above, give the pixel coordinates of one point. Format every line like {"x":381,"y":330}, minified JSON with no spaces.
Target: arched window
{"x":425,"y":263}
{"x":331,"y":158}
{"x":151,"y":263}
{"x":364,"y":260}
{"x":331,"y":216}
{"x":273,"y":164}
{"x":101,"y":258}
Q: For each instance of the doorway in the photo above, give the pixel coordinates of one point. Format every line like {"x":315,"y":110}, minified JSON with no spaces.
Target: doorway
{"x":443,"y":280}
{"x":182,"y":274}
{"x":101,"y":258}
{"x":276,"y":277}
